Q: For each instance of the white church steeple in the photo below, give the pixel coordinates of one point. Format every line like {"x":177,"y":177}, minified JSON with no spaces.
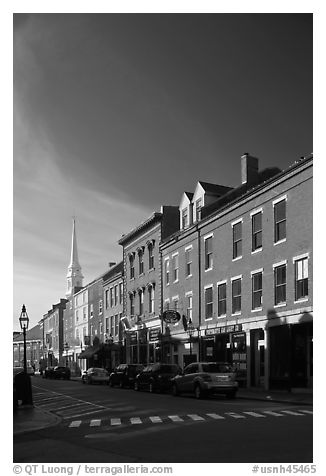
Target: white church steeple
{"x":74,"y":275}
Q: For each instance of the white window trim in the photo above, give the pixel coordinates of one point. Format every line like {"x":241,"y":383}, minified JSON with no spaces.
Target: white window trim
{"x":303,"y":256}
{"x":166,"y":300}
{"x":237,"y":258}
{"x":208,"y":269}
{"x":221,"y":282}
{"x":258,"y":250}
{"x":281,"y":304}
{"x":280,"y":199}
{"x":258,"y":309}
{"x":187,"y":248}
{"x":280,"y":263}
{"x":175,"y":254}
{"x":236,"y":314}
{"x":301,"y":300}
{"x":280,"y":241}
{"x":260,"y":270}
{"x":210,"y":235}
{"x":175,"y":298}
{"x":189,"y":293}
{"x":239,"y":220}
{"x":258,"y":210}
{"x":236,"y":277}
{"x":207,"y":286}
{"x":208,"y":319}
{"x":167,"y":258}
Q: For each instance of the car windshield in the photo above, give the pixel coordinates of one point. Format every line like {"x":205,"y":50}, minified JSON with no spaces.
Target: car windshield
{"x":217,"y":368}
{"x":168,"y":369}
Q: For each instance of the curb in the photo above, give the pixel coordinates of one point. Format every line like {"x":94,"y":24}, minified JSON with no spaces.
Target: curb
{"x":55,"y":421}
{"x":274,"y":400}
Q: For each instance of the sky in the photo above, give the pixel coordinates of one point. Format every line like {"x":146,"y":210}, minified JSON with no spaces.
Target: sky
{"x":115,"y":115}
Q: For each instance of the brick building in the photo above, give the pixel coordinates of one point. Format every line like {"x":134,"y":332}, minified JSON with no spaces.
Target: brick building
{"x":240,"y":272}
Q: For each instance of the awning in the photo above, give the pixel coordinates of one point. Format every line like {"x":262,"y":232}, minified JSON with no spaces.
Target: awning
{"x":89,"y":352}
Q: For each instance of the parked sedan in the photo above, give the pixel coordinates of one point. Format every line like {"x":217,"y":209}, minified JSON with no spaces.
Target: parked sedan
{"x":48,"y":372}
{"x":61,"y":372}
{"x":124,"y":375}
{"x":96,"y":375}
{"x":203,"y":378}
{"x":156,"y":377}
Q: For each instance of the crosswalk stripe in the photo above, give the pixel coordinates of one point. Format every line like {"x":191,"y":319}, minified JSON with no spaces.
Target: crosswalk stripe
{"x":95,"y":423}
{"x":155,"y":419}
{"x":254,"y":414}
{"x":273,"y":413}
{"x":75,"y":424}
{"x":215,"y":416}
{"x":235,"y":415}
{"x":115,"y":421}
{"x":196,"y":417}
{"x":135,"y":421}
{"x":175,"y":418}
{"x":289,"y":412}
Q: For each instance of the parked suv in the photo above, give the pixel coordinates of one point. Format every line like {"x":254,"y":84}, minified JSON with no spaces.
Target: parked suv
{"x":156,"y":377}
{"x":124,"y":375}
{"x":203,"y":378}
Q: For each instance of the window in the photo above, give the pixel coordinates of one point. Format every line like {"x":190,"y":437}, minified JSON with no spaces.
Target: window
{"x":167,"y":271}
{"x":106,"y":298}
{"x":91,"y":310}
{"x":77,"y":334}
{"x":120,"y":292}
{"x":280,"y":284}
{"x":175,"y":263}
{"x":116,"y":325}
{"x":175,"y":301}
{"x":112,"y":325}
{"x":151,"y":256}
{"x":257,"y":290}
{"x":221,"y":299}
{"x":209,"y":302}
{"x":237,"y":240}
{"x":77,"y":317}
{"x":101,"y":328}
{"x":151,"y":299}
{"x":257,"y":233}
{"x":236,"y":295}
{"x":106,"y":325}
{"x":132,"y":305}
{"x":115,"y":294}
{"x":188,"y":260}
{"x":280,"y":221}
{"x":189,"y":306}
{"x":100,"y":306}
{"x":111,"y":297}
{"x":84,"y":313}
{"x":132,"y":266}
{"x":198,"y":209}
{"x":84,"y":296}
{"x":141,"y":262}
{"x":184,"y":218}
{"x":209,"y":253}
{"x":301,"y":278}
{"x":167,"y":305}
{"x":141,"y":302}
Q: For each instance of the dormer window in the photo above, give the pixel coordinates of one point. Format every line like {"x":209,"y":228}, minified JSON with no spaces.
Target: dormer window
{"x":184,"y":218}
{"x":198,"y":209}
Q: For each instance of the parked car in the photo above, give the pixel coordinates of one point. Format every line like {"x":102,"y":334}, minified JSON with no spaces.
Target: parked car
{"x":204,"y":378}
{"x":156,"y":377}
{"x":29,"y":369}
{"x":48,"y":372}
{"x":96,"y":375}
{"x":61,"y":372}
{"x":124,"y":375}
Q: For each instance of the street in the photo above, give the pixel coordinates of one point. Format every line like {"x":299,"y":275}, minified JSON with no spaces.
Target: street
{"x":103,"y":424}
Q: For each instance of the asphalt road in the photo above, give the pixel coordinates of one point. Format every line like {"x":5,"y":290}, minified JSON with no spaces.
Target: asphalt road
{"x":100,"y":424}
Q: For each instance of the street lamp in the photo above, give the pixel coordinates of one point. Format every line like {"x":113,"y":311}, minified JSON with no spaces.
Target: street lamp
{"x":24,"y":321}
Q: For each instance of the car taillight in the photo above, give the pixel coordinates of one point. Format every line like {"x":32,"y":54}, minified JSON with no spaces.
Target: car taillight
{"x":207,"y":378}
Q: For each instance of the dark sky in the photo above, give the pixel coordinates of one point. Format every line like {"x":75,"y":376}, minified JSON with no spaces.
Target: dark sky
{"x":117,"y":114}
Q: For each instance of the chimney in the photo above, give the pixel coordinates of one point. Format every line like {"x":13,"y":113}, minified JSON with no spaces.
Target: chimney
{"x":249,"y":169}
{"x":111,"y":264}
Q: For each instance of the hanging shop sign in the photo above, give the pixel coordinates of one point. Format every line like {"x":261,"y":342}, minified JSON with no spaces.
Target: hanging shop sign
{"x":171,"y":317}
{"x":154,"y":334}
{"x":223,"y":329}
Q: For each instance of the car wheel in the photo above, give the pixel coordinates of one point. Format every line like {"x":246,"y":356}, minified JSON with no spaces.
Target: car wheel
{"x":198,"y":392}
{"x":175,"y":391}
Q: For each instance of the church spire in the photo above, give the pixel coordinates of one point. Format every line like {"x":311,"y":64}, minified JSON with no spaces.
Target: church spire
{"x":74,"y":275}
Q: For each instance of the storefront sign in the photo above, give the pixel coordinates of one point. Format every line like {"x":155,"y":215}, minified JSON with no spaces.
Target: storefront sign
{"x":171,"y":317}
{"x":223,"y":329}
{"x":154,"y":334}
{"x":132,"y":338}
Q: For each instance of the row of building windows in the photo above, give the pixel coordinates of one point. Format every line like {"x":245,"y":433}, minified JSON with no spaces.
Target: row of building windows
{"x":280,"y":284}
{"x":141,"y":299}
{"x":114,"y":295}
{"x":141,"y":254}
{"x":112,"y":325}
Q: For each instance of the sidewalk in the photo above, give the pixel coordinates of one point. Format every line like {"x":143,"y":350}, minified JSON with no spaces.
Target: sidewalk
{"x":293,"y":397}
{"x":28,"y":418}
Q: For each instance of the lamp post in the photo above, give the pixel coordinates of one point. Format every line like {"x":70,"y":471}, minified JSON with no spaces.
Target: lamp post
{"x":66,"y":348}
{"x":24,"y":321}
